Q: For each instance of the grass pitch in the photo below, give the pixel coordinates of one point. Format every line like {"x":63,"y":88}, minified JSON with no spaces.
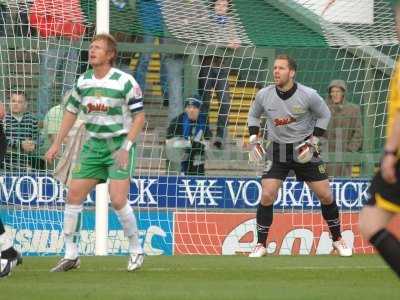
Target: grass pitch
{"x":206,"y":277}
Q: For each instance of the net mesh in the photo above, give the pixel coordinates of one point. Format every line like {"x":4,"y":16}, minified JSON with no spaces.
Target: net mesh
{"x":176,"y":49}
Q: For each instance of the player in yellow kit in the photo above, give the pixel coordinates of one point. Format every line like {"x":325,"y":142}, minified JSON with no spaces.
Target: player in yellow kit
{"x":384,"y":201}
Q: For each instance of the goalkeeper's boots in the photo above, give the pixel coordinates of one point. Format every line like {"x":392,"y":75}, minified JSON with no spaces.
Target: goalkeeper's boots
{"x":7,"y":265}
{"x":342,"y":249}
{"x":65,"y":265}
{"x":258,"y":251}
{"x":135,"y":261}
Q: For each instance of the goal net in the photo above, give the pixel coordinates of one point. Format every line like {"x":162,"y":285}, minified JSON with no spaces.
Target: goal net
{"x":177,"y":49}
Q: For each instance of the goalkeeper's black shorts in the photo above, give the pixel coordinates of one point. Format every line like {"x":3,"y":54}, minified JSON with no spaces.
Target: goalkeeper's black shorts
{"x":283,"y":162}
{"x":385,"y":195}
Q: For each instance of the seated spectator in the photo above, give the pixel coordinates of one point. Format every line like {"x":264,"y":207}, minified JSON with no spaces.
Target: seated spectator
{"x":344,"y":133}
{"x":21,"y":129}
{"x":214,"y":71}
{"x":186,"y":138}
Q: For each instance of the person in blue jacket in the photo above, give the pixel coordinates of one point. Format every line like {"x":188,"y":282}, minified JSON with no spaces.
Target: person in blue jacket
{"x":187,"y":136}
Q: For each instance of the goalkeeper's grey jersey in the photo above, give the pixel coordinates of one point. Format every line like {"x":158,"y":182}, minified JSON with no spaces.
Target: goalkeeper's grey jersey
{"x":290,"y":120}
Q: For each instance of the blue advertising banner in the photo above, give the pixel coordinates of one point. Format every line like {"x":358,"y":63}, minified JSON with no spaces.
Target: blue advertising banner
{"x":39,"y":232}
{"x":188,"y":192}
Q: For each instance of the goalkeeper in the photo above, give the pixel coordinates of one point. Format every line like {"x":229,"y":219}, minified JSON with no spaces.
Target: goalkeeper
{"x":296,"y":117}
{"x":9,"y":257}
{"x":112,"y":105}
{"x":186,"y":138}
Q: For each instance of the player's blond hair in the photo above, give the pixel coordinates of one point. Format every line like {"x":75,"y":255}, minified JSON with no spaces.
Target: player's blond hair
{"x":111,"y":44}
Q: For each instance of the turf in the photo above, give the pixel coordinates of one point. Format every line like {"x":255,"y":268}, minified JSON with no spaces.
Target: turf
{"x":206,"y":277}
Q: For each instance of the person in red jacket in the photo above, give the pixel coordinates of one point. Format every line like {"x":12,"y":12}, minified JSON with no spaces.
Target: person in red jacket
{"x":62,"y":24}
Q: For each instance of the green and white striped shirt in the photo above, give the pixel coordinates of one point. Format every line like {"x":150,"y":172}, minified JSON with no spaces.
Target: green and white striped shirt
{"x":107,"y":104}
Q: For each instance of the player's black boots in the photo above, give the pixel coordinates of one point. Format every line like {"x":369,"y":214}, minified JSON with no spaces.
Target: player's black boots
{"x":9,"y":262}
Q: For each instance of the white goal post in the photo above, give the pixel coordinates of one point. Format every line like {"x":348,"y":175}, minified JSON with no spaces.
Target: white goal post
{"x":102,"y":198}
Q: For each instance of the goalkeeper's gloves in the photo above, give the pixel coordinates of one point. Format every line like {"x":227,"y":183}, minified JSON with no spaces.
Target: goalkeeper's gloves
{"x":257,"y":150}
{"x":305,"y":151}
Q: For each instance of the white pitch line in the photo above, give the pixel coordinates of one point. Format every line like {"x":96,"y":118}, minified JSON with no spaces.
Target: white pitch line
{"x":159,"y":269}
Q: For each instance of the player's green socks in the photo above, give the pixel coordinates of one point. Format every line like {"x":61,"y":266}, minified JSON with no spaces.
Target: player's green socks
{"x":388,"y":247}
{"x":127,"y":220}
{"x":330,"y":213}
{"x":72,"y":226}
{"x":264,"y":221}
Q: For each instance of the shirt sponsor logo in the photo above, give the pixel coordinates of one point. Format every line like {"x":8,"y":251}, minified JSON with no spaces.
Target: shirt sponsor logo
{"x":284,"y":121}
{"x":97,"y":108}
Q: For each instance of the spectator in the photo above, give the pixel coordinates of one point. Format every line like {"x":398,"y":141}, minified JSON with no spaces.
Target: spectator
{"x":51,"y":127}
{"x":52,"y":123}
{"x":123,"y":61}
{"x":188,"y":132}
{"x":214,"y":71}
{"x":344,"y":132}
{"x":3,"y":17}
{"x":3,"y":141}
{"x":120,"y":10}
{"x":21,"y":19}
{"x":150,"y":15}
{"x":174,"y":73}
{"x":61,"y":23}
{"x":175,"y":14}
{"x":14,"y":18}
{"x":9,"y":256}
{"x":21,"y":129}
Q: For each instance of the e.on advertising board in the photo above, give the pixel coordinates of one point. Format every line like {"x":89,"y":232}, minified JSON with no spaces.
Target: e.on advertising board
{"x":234,"y":233}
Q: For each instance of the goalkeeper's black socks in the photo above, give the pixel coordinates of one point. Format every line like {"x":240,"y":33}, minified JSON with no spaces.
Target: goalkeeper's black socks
{"x":2,"y":229}
{"x":264,"y":221}
{"x":330,"y":213}
{"x":388,"y":247}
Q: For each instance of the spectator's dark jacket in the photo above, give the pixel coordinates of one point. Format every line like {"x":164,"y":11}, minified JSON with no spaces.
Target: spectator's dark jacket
{"x":196,"y":132}
{"x":16,"y":131}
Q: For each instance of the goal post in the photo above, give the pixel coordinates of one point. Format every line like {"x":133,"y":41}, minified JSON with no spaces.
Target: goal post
{"x":102,"y":195}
